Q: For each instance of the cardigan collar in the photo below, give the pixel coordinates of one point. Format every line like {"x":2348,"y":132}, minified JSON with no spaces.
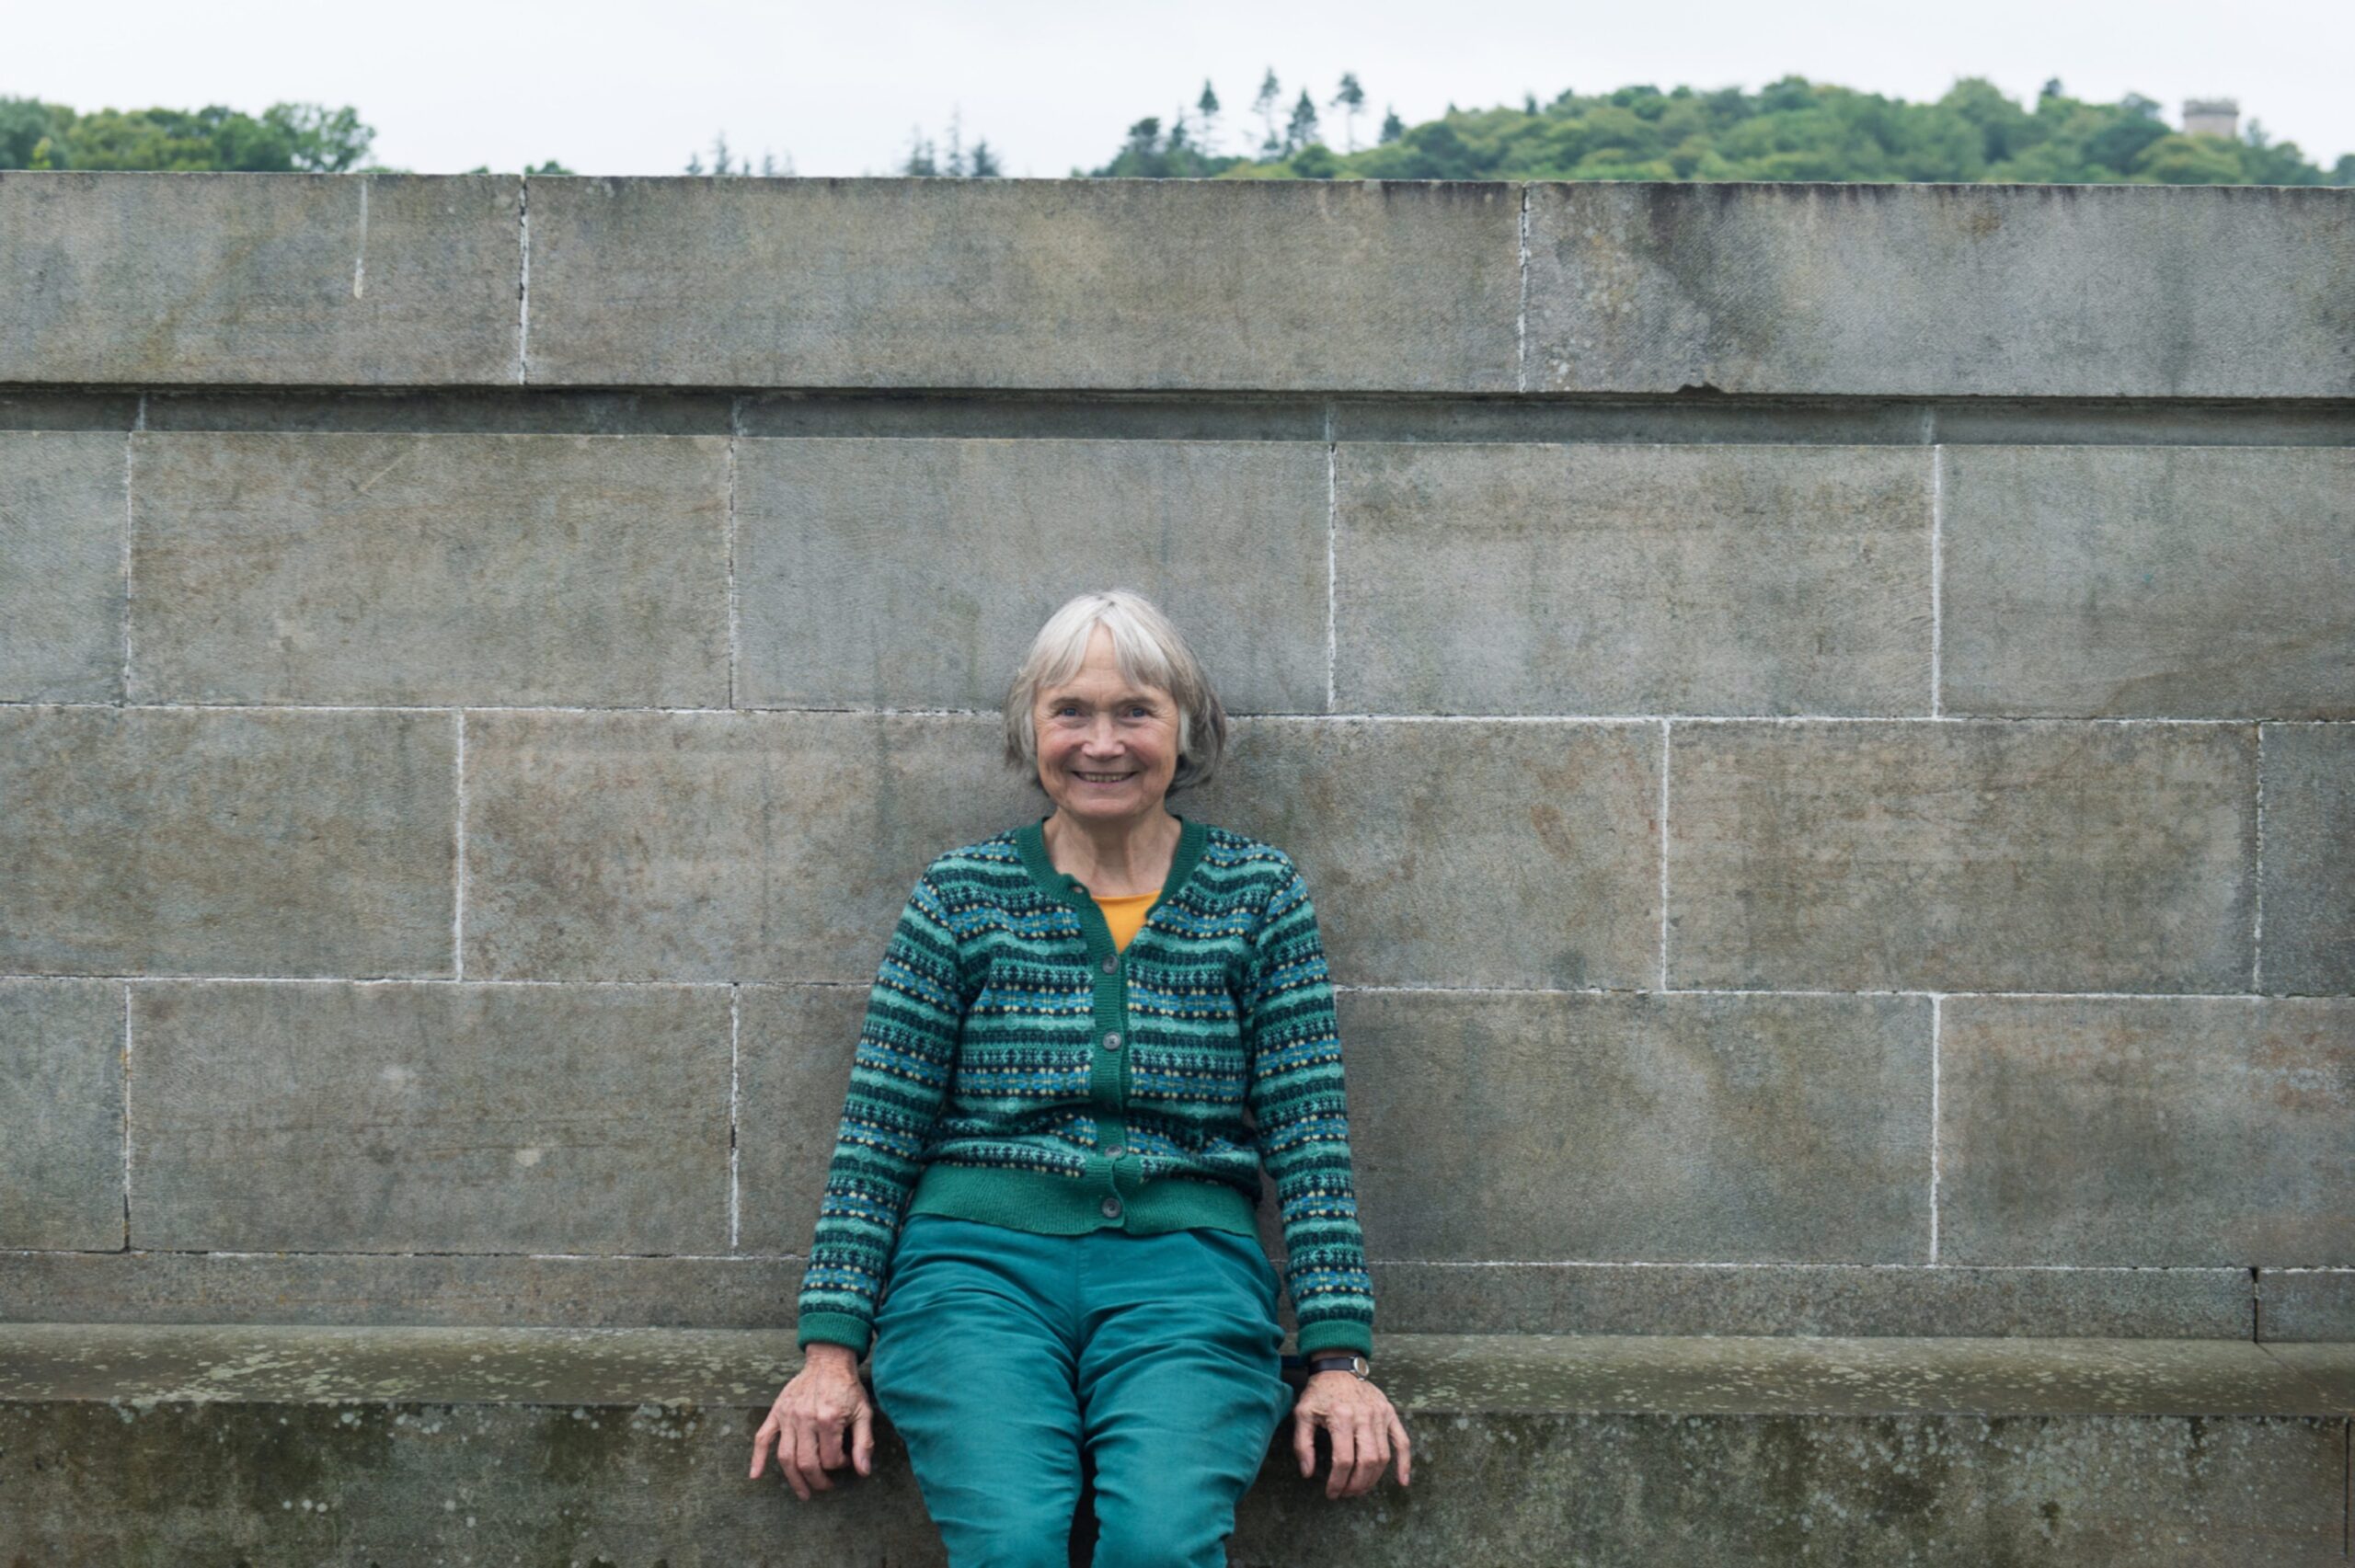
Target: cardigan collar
{"x":1031,"y":841}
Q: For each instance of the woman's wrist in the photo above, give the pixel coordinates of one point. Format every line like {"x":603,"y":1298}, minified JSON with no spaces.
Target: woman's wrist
{"x":822,"y":1352}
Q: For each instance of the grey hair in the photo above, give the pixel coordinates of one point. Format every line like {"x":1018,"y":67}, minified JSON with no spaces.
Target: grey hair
{"x":1149,"y":651}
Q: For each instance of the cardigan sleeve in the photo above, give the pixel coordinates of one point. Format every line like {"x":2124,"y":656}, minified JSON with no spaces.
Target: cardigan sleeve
{"x":1295,"y":1092}
{"x":899,"y":1079}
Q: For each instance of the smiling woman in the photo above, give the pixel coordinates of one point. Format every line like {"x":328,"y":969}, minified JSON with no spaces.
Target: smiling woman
{"x":1040,"y":1205}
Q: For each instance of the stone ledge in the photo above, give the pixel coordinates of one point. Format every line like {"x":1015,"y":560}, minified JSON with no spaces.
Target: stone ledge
{"x":144,"y":1444}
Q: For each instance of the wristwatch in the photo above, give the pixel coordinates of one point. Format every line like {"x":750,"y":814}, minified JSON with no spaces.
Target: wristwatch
{"x":1339,"y":1362}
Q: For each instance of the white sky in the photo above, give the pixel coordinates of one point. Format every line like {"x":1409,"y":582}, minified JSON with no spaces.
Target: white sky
{"x":623,"y":86}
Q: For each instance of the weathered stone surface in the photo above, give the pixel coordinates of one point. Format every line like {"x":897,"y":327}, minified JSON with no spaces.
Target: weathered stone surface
{"x":2101,"y":290}
{"x":713,"y":846}
{"x":229,"y":279}
{"x":2328,"y":1368}
{"x":226,"y":842}
{"x":1296,"y":416}
{"x":68,"y":408}
{"x":1460,"y":853}
{"x":899,"y":573}
{"x":572,"y":1447}
{"x":1823,"y":1299}
{"x":2171,"y":1130}
{"x":1625,"y":580}
{"x":1013,"y":283}
{"x":1962,"y":856}
{"x":504,"y":410}
{"x":404,"y":1289}
{"x":2181,"y":582}
{"x":2305,"y":1304}
{"x":61,"y":1113}
{"x":429,"y":568}
{"x":2308,"y":941}
{"x":793,"y":1046}
{"x":430,"y":1117}
{"x":1662,"y":1129}
{"x":60,"y":567}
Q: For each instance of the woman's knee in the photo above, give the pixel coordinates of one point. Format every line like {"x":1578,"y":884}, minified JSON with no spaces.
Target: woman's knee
{"x":1011,"y":1539}
{"x":1163,"y":1527}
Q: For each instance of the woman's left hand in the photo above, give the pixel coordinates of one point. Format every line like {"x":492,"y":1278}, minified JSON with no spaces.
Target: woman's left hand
{"x":1363,"y":1426}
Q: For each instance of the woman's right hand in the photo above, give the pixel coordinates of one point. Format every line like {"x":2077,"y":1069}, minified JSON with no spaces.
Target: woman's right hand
{"x":807,"y":1421}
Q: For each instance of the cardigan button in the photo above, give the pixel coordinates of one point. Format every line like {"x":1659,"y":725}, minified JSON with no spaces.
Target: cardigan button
{"x":1114,"y":1153}
{"x":1112,"y":1041}
{"x":1112,"y":964}
{"x":1111,"y":1207}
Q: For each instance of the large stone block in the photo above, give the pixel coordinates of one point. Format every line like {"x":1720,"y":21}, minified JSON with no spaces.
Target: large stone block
{"x":2055,"y":290}
{"x":2305,"y":1305}
{"x":1816,"y":1300}
{"x":794,"y":1048}
{"x":359,"y":1289}
{"x":1446,"y":853}
{"x":1025,"y":283}
{"x":61,"y":1113}
{"x":2199,"y":582}
{"x":1623,"y":579}
{"x":1962,"y":856}
{"x":713,"y":846}
{"x":910,"y":573}
{"x":279,"y":280}
{"x":160,"y":1446}
{"x":1657,"y":1128}
{"x":226,"y":842}
{"x":61,"y":522}
{"x":2307,"y":942}
{"x":587,"y":570}
{"x":2165,"y":1131}
{"x":430,"y":1117}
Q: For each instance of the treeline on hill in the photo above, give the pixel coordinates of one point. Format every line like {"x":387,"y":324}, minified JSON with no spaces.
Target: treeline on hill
{"x":285,"y":137}
{"x":1789,"y":129}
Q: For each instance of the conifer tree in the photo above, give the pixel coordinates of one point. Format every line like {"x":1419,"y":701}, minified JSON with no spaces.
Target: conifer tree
{"x":1349,"y":100}
{"x":1302,"y":129}
{"x":1265,"y":104}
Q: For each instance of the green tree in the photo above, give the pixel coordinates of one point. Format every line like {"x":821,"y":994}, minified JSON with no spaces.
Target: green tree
{"x":1300,"y":130}
{"x":1207,"y":107}
{"x":1392,"y":128}
{"x":1264,"y":105}
{"x":1351,"y":101}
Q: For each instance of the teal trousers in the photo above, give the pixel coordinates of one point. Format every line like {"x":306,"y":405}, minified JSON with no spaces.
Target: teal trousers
{"x":1002,"y":1356}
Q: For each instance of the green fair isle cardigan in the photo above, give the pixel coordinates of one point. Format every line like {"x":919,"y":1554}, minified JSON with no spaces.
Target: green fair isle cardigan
{"x":1017,"y":1068}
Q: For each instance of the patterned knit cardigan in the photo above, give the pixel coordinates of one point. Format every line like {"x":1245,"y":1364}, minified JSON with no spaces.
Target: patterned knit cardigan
{"x":1016,"y":1068}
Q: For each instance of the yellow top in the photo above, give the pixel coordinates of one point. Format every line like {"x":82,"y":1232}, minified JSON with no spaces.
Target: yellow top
{"x":1125,"y":915}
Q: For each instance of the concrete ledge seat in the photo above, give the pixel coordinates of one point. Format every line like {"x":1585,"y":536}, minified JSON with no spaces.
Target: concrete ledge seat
{"x":137,"y":1444}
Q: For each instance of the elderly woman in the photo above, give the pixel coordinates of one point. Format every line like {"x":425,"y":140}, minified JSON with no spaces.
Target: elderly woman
{"x":1044,"y":1154}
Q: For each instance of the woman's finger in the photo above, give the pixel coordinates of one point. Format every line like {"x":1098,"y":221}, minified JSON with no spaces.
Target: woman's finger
{"x":1374,"y":1450}
{"x":862,"y":1444}
{"x":1303,"y":1441}
{"x":805,"y":1472}
{"x":1344,"y":1457}
{"x":785,"y":1465}
{"x":761,"y":1443}
{"x":830,"y":1443}
{"x":1406,"y":1448}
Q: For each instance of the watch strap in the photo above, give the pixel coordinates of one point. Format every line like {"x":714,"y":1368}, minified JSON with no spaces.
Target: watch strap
{"x":1340,"y":1361}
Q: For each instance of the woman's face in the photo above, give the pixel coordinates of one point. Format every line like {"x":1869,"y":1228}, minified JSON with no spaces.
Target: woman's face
{"x":1107,"y":748}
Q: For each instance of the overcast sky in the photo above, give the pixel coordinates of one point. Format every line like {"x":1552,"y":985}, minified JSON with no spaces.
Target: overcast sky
{"x":620,"y":86}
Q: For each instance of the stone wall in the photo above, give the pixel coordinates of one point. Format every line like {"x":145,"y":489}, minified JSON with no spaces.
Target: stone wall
{"x":1820,"y":720}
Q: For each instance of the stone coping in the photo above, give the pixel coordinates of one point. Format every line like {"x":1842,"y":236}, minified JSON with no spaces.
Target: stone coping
{"x":1432,"y":1374}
